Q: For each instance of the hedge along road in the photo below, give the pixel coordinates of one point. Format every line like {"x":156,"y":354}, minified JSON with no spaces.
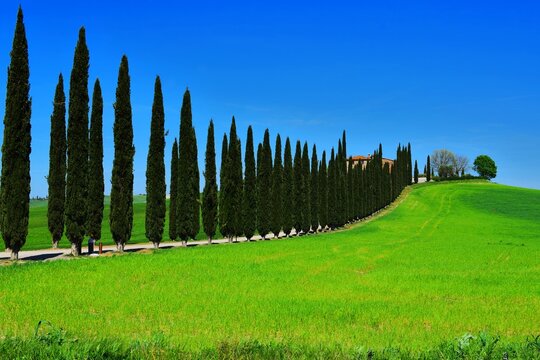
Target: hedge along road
{"x":65,"y":253}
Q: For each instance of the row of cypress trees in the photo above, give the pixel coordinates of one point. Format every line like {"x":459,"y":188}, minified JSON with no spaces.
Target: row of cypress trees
{"x":270,"y":194}
{"x":285,"y":195}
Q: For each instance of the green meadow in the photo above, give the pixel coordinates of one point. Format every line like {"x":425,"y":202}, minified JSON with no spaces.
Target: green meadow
{"x":449,"y":259}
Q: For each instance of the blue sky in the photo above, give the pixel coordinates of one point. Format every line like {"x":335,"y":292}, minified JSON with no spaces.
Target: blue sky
{"x":459,"y":75}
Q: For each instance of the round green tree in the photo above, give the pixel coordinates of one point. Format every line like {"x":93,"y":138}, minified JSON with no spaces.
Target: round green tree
{"x":485,"y":167}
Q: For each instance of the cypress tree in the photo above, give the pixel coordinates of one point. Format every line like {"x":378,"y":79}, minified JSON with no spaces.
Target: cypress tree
{"x":323,"y":193}
{"x":332,"y":192}
{"x":235,"y":182}
{"x":277,"y":191}
{"x":288,"y":186}
{"x":298,"y":189}
{"x":210,"y":192}
{"x":350,"y":190}
{"x":264,"y":183}
{"x":188,"y":206}
{"x":425,"y":169}
{"x":156,"y":188}
{"x":77,"y":147}
{"x":249,"y":210}
{"x":314,"y":188}
{"x":222,"y":209}
{"x":121,"y":215}
{"x":415,"y":172}
{"x":261,"y":198}
{"x":409,"y":164}
{"x":306,"y":178}
{"x":57,"y":165}
{"x":428,"y":169}
{"x":96,"y":186}
{"x":173,"y":192}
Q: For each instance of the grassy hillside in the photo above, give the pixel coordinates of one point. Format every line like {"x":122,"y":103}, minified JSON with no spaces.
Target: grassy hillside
{"x":40,"y":238}
{"x":450,"y":259}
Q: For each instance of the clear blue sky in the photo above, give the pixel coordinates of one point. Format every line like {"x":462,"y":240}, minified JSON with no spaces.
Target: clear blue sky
{"x":459,"y":75}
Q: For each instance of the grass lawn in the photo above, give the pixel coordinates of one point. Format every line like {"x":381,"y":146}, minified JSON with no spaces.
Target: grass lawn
{"x":452,"y":258}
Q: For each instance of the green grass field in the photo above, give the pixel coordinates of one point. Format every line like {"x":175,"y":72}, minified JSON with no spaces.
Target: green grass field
{"x":450,"y":259}
{"x":40,"y":238}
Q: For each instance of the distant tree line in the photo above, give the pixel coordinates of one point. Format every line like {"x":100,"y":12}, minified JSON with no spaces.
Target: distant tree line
{"x":265,"y":192}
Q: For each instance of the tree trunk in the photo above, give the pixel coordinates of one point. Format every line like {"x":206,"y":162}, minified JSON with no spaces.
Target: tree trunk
{"x":14,"y":255}
{"x":120,"y":247}
{"x":209,"y":241}
{"x":55,"y":244}
{"x":75,"y":249}
{"x":156,"y":244}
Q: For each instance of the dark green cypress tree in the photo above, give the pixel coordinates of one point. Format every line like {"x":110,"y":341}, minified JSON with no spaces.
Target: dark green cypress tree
{"x":314,"y":188}
{"x":121,"y":215}
{"x":415,"y":172}
{"x":322,"y":209}
{"x":96,"y":185}
{"x":298,"y":189}
{"x":210,"y":192}
{"x":332,"y":192}
{"x":156,"y":189}
{"x":340,"y":191}
{"x":350,"y":191}
{"x":222,"y":209}
{"x":344,"y":179}
{"x":306,"y":178}
{"x":428,"y":169}
{"x":235,"y":182}
{"x":277,"y":191}
{"x":173,"y":192}
{"x":264,"y":183}
{"x":261,"y":194}
{"x":57,"y":166}
{"x":288,"y":186}
{"x":249,"y":210}
{"x":188,"y":207}
{"x":77,"y":147}
{"x":409,"y":164}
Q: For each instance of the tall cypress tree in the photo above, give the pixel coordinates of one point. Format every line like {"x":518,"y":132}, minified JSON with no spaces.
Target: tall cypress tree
{"x":173,"y":192}
{"x":77,"y":147}
{"x":235,"y":182}
{"x":409,"y":164}
{"x":277,"y":191}
{"x":188,"y":207}
{"x":428,"y":169}
{"x":350,"y":191}
{"x":332,"y":192}
{"x":264,"y":183}
{"x":288,"y":186}
{"x":314,"y":188}
{"x":57,"y":165}
{"x":261,"y":193}
{"x":415,"y":172}
{"x":323,"y":193}
{"x":210,"y":192}
{"x":249,"y":195}
{"x":156,"y":188}
{"x":222,"y":209}
{"x":121,"y":215}
{"x":298,"y":190}
{"x":96,"y":186}
{"x":306,"y":178}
